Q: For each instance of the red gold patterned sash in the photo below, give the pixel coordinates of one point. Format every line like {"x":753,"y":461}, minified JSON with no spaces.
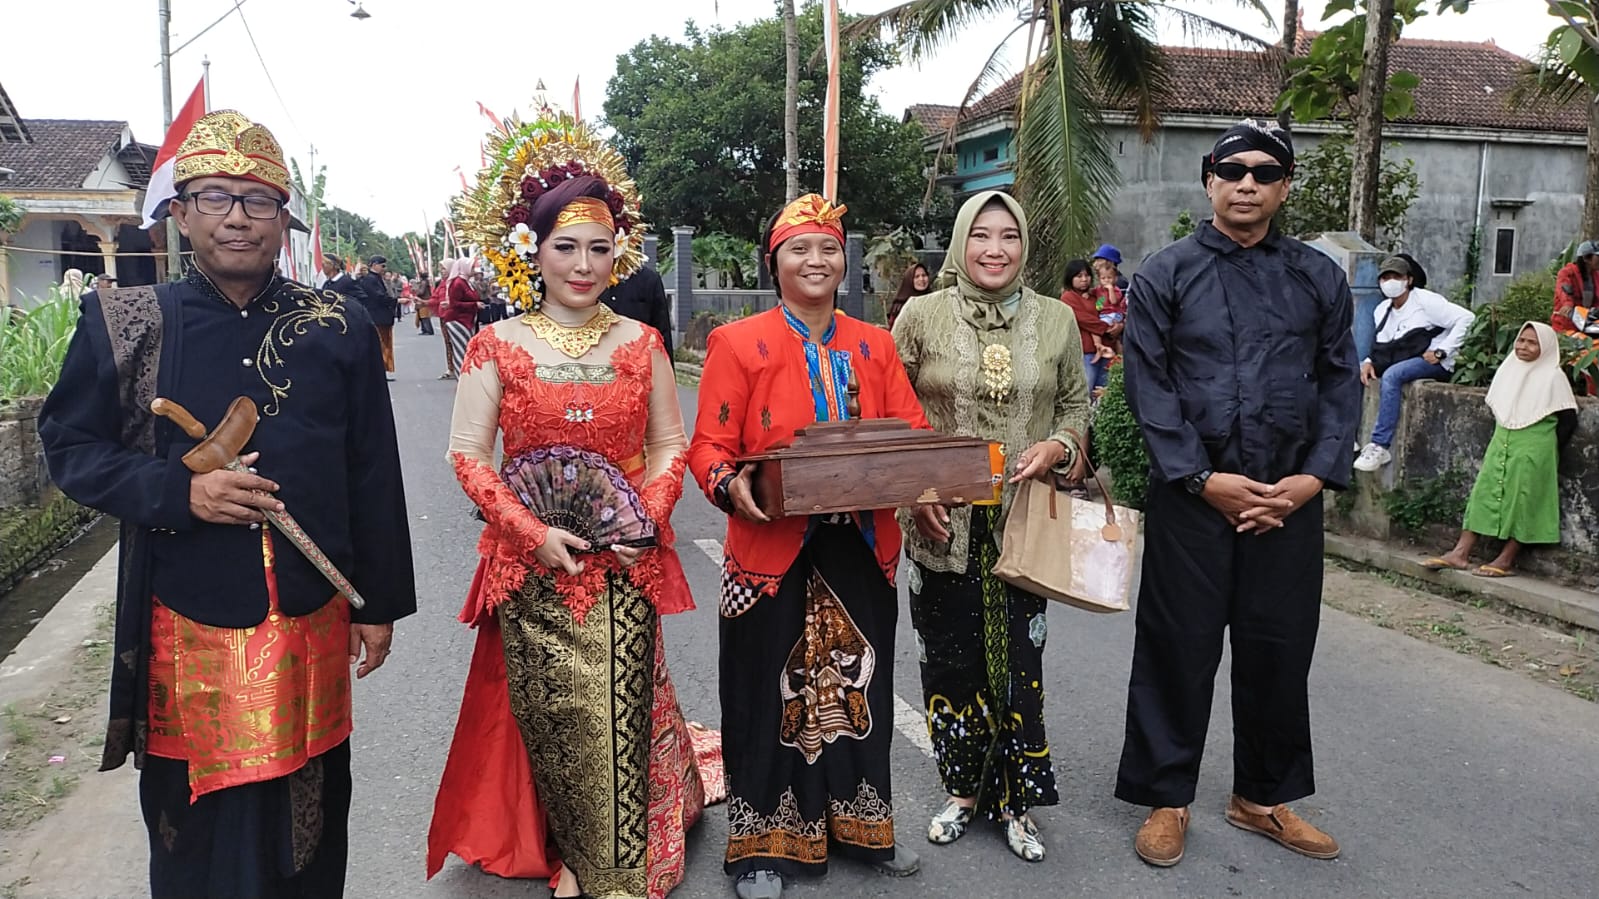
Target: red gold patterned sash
{"x":244,"y":705}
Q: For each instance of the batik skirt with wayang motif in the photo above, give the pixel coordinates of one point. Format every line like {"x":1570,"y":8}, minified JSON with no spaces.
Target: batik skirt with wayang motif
{"x":807,"y":712}
{"x":980,"y":642}
{"x":613,"y":763}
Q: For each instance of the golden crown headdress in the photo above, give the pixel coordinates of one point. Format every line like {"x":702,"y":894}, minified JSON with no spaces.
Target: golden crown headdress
{"x":525,"y":160}
{"x":226,"y":143}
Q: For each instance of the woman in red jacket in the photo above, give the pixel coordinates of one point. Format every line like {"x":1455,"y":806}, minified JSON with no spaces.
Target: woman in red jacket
{"x":1097,"y":353}
{"x":808,"y":602}
{"x":458,"y":312}
{"x":1574,"y":288}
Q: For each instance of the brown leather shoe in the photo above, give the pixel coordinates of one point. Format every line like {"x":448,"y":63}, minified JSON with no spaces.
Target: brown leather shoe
{"x":1285,"y":827}
{"x":1160,"y":840}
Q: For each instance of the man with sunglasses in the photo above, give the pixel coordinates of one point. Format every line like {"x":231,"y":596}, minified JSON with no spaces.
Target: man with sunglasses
{"x":246,"y":782}
{"x":1241,"y":371}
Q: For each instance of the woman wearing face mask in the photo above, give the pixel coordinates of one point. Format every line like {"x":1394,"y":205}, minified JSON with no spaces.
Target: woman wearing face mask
{"x":1418,"y":333}
{"x":988,"y":358}
{"x":1517,"y":495}
{"x":570,"y":755}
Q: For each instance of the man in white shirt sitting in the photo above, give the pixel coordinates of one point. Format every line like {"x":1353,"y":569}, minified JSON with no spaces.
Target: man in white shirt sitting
{"x":1418,"y":334}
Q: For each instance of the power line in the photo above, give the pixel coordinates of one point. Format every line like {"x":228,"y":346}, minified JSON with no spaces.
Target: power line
{"x":213,"y":24}
{"x":264,"y":70}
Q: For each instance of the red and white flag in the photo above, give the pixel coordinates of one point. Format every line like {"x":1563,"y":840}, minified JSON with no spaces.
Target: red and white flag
{"x":316,"y":243}
{"x":286,"y":266}
{"x":162,"y":187}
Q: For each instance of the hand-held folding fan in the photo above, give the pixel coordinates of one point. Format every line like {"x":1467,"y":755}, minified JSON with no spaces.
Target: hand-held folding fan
{"x":581,"y":492}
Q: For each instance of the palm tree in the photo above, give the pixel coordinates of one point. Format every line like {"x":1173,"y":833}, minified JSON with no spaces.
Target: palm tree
{"x":1081,"y":56}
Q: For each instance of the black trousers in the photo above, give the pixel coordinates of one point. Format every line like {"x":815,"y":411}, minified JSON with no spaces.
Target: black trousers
{"x":1199,"y":578}
{"x":246,"y":842}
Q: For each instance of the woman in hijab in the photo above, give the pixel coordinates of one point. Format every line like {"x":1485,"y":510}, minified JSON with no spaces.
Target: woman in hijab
{"x":1517,"y":495}
{"x":988,"y":358}
{"x":72,"y":283}
{"x":458,"y":313}
{"x":916,"y":282}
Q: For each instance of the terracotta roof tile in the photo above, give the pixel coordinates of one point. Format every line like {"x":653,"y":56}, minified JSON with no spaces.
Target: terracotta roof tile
{"x":933,"y":117}
{"x":1463,"y":84}
{"x":62,"y":153}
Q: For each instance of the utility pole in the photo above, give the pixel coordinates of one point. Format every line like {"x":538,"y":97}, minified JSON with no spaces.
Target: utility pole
{"x":174,"y":257}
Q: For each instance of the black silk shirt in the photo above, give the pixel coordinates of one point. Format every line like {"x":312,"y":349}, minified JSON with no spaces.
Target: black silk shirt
{"x":1242,"y":360}
{"x":310,"y":360}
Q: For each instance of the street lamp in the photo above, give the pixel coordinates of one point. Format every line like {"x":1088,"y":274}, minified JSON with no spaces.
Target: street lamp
{"x":360,"y":13}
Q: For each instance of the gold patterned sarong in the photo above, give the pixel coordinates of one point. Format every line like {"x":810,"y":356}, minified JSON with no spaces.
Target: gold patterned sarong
{"x":582,"y":696}
{"x":245,"y":705}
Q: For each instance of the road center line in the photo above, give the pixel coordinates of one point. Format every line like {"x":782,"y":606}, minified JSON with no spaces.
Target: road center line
{"x":908,"y":719}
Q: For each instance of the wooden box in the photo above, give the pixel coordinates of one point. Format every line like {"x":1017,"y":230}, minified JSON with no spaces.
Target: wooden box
{"x":870,"y":464}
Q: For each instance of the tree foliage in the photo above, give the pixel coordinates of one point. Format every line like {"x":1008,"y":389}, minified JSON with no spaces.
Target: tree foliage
{"x":1325,"y":83}
{"x":700,"y":123}
{"x":1080,"y":55}
{"x":11,"y":215}
{"x":1319,"y":200}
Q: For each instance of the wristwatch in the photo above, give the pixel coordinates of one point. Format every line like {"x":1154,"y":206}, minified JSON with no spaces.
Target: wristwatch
{"x":1440,"y":354}
{"x":1195,"y":483}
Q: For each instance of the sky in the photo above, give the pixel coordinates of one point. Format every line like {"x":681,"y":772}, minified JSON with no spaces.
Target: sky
{"x":390,"y":102}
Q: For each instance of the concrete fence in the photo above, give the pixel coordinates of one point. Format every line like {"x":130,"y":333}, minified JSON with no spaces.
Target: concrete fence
{"x":1444,"y":428}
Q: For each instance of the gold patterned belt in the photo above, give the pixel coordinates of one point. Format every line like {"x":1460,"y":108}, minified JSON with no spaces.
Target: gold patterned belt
{"x":244,"y":705}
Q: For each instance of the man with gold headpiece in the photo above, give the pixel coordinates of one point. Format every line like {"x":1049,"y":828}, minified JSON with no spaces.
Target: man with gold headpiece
{"x":231,"y":681}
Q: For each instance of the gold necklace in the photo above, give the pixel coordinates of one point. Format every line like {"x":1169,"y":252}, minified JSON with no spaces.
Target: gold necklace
{"x":575,"y":342}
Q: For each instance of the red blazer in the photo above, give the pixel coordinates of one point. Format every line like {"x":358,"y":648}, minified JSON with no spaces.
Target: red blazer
{"x":463,"y":303}
{"x":1568,"y":296}
{"x":754,"y":393}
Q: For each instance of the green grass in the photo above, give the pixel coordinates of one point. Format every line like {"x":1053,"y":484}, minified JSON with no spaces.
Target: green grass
{"x":32,"y":344}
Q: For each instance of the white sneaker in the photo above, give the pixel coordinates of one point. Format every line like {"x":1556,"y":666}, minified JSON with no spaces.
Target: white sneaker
{"x":1373,"y":457}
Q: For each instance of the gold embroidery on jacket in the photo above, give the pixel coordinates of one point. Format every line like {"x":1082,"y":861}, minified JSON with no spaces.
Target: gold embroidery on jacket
{"x":309,"y":307}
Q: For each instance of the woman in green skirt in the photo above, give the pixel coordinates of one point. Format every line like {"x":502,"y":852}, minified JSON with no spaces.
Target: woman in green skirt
{"x":1517,"y":495}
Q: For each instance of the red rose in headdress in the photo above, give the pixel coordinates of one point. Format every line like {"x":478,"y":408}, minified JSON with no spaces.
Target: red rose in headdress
{"x":574,"y":167}
{"x":518,"y":215}
{"x":616,"y":202}
{"x":531,"y":188}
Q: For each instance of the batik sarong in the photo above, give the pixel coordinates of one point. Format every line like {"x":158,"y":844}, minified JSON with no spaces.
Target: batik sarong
{"x":980,"y":642}
{"x":807,"y":712}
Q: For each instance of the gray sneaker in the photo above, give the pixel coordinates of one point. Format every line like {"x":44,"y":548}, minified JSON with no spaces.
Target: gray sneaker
{"x":758,"y":885}
{"x":903,"y":864}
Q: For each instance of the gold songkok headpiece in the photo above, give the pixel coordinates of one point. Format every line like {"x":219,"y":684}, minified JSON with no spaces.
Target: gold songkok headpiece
{"x":809,"y":214}
{"x":526,"y":160}
{"x":228,"y":145}
{"x":585,"y":210}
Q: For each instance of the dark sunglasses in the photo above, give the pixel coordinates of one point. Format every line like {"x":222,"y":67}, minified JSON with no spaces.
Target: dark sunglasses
{"x":1270,"y":173}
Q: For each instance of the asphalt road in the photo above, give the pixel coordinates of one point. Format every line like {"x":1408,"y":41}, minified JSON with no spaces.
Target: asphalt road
{"x":1440,"y":775}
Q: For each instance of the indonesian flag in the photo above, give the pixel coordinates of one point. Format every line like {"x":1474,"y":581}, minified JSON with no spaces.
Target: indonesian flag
{"x":316,"y":244}
{"x":286,"y":266}
{"x":162,"y":187}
